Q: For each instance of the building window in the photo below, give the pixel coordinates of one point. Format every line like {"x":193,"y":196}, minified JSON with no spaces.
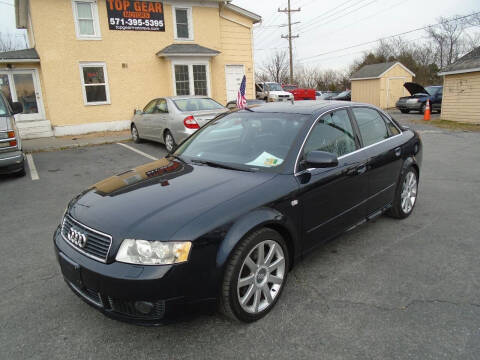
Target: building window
{"x":183,"y":23}
{"x":85,"y":13}
{"x":191,"y":79}
{"x":94,"y":83}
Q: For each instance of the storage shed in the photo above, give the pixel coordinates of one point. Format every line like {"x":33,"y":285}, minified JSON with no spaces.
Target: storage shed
{"x":380,"y":84}
{"x":461,"y":89}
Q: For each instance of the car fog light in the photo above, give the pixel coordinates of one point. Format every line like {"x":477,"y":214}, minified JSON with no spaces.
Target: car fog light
{"x":143,"y":307}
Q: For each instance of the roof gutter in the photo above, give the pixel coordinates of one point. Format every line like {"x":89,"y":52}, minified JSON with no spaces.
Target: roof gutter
{"x":21,"y":14}
{"x":15,"y":61}
{"x":464,"y":71}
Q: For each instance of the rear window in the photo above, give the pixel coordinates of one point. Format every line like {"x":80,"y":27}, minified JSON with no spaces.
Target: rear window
{"x":3,"y":107}
{"x":197,"y":104}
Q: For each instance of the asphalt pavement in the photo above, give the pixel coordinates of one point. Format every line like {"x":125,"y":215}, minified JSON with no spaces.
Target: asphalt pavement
{"x":389,"y":289}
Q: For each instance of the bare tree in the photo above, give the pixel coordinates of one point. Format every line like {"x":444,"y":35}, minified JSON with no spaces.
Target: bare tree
{"x":276,"y":69}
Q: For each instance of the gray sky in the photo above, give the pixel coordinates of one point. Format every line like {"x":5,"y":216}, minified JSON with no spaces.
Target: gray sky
{"x":326,"y":25}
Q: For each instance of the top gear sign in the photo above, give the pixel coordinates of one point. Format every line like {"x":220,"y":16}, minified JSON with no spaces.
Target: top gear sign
{"x":135,"y":15}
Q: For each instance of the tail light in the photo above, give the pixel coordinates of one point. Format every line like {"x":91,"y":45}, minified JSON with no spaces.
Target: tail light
{"x":190,"y":123}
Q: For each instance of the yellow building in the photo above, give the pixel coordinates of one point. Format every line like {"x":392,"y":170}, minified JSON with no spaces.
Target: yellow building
{"x":380,"y":84}
{"x":92,"y":62}
{"x":461,"y":89}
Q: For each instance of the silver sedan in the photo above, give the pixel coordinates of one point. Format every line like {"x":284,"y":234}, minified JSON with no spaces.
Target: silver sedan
{"x":170,"y":120}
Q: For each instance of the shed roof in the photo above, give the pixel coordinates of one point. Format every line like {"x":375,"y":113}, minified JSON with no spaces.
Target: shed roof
{"x":25,"y":55}
{"x":187,"y":50}
{"x":467,"y":63}
{"x":375,"y":71}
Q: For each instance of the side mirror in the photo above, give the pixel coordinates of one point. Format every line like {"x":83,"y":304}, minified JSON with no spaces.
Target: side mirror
{"x":17,"y":108}
{"x":137,"y":112}
{"x":320,"y":159}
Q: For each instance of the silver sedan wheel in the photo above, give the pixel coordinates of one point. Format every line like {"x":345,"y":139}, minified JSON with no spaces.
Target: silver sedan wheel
{"x":261,"y":277}
{"x":409,"y":192}
{"x":169,"y":142}
{"x":134,"y":133}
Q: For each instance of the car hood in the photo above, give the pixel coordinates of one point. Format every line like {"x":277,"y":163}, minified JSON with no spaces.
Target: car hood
{"x":414,"y":88}
{"x":155,"y":200}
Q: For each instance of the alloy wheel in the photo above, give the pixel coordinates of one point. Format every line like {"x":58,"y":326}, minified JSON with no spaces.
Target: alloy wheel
{"x":409,"y":192}
{"x":169,"y":142}
{"x":134,"y":133}
{"x":261,"y":276}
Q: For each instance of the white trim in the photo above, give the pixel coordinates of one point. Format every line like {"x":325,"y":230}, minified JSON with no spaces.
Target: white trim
{"x":91,"y":127}
{"x":103,"y":65}
{"x":96,"y":24}
{"x":189,"y":20}
{"x":190,"y":62}
{"x":175,"y":55}
{"x":383,"y":73}
{"x":234,"y":21}
{"x":458,"y":71}
{"x":241,"y":11}
{"x":13,"y":61}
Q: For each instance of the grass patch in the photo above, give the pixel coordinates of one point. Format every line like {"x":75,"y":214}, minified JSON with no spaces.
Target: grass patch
{"x":451,"y":125}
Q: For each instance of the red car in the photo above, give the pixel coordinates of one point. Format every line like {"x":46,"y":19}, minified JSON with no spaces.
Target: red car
{"x":299,"y":93}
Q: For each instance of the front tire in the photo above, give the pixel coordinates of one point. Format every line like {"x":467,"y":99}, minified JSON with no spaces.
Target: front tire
{"x":404,"y":111}
{"x":135,"y":136}
{"x":254,"y":276}
{"x":405,"y":194}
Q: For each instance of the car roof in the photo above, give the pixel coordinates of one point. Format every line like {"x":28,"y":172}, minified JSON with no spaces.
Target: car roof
{"x":306,"y":107}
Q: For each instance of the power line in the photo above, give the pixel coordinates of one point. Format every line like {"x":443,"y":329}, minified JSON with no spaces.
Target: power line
{"x":326,"y":13}
{"x":388,"y":37}
{"x":312,"y":26}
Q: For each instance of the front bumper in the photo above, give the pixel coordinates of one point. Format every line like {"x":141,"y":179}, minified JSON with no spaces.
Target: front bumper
{"x":121,"y":290}
{"x":409,"y":106}
{"x":11,"y":162}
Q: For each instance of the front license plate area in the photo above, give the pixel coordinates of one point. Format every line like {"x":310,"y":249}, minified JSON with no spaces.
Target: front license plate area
{"x":70,"y":270}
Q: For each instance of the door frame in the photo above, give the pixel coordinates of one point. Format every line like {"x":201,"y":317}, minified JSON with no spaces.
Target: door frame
{"x":226,"y":83}
{"x":40,"y":115}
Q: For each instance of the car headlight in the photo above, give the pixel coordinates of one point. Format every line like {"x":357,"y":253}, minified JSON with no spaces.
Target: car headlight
{"x":145,"y":252}
{"x":412,"y":101}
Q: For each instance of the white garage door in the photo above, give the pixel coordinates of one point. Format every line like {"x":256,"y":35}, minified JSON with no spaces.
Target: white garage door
{"x":233,"y":76}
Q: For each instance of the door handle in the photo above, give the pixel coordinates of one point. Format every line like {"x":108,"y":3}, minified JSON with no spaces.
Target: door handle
{"x":357,"y":170}
{"x":398,"y":151}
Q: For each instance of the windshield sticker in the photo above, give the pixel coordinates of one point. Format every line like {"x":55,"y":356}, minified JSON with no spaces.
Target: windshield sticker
{"x":266,"y":159}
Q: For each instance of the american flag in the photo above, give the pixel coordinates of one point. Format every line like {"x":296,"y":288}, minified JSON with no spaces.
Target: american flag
{"x":241,"y":100}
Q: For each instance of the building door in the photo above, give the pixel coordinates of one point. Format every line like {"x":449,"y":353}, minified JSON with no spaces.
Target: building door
{"x":233,"y":76}
{"x":23,"y":86}
{"x":395,"y":90}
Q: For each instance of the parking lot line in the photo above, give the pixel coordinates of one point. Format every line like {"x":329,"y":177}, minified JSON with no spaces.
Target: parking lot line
{"x":138,"y":151}
{"x":31,"y":166}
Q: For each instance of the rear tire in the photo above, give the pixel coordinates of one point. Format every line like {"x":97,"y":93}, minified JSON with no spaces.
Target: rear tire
{"x":405,"y":195}
{"x":255,"y":276}
{"x":135,"y":135}
{"x":169,"y":141}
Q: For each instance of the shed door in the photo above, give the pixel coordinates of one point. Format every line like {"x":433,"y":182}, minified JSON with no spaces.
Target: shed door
{"x":233,"y":76}
{"x":395,"y":90}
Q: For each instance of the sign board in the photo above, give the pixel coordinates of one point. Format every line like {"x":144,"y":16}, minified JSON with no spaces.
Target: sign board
{"x":135,"y":15}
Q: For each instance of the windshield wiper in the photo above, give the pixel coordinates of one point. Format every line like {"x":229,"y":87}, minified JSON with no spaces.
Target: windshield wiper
{"x":177,"y":157}
{"x":218,"y":165}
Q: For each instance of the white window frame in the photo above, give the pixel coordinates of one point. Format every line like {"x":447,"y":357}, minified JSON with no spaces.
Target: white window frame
{"x":82,"y":79}
{"x":190,"y":63}
{"x":96,"y":24}
{"x":189,"y":19}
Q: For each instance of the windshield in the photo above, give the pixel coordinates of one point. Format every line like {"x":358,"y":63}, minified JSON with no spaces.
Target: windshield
{"x":432,"y":90}
{"x":197,"y":104}
{"x":245,"y":140}
{"x":273,"y":87}
{"x":344,"y":93}
{"x":3,"y":107}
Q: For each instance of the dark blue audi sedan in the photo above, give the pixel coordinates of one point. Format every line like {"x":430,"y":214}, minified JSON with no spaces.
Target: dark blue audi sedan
{"x":224,"y":218}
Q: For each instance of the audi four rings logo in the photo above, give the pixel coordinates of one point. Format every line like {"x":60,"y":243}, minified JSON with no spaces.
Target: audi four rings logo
{"x":77,"y":238}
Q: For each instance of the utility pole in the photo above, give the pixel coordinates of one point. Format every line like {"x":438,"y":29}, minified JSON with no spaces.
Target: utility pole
{"x":289,"y":11}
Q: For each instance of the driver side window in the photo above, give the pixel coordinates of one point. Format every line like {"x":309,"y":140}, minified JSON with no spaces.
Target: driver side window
{"x":161,"y":106}
{"x":333,"y":133}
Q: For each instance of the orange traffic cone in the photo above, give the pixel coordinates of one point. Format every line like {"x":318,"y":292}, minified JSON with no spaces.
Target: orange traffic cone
{"x":426,"y":114}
